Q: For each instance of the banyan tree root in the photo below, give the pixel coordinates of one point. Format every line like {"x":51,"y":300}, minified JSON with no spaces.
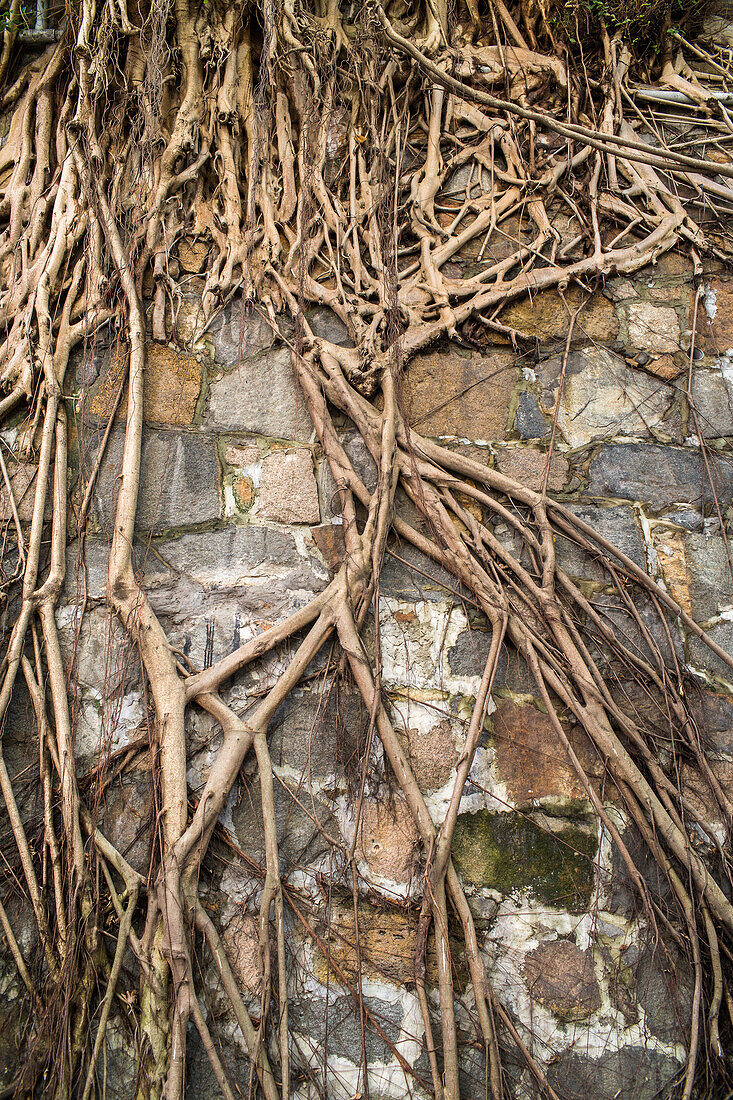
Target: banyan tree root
{"x":309,"y":147}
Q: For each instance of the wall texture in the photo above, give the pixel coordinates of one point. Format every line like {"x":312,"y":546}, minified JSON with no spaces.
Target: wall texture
{"x":239,"y":526}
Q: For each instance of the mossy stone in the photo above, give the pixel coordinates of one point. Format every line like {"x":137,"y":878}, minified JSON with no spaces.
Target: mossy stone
{"x":509,"y":852}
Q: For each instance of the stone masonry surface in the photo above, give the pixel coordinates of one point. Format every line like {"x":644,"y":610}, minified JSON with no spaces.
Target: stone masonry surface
{"x":239,"y":525}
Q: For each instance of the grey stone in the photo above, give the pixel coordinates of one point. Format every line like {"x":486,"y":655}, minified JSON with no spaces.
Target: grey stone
{"x":652,"y":327}
{"x":712,"y":402}
{"x":702,"y":657}
{"x":632,"y":1073}
{"x":334,"y":1027}
{"x":364,"y":466}
{"x":664,"y":991}
{"x":201,"y":1080}
{"x":179,"y":479}
{"x":296,"y":813}
{"x":710,"y":582}
{"x":714,"y":716}
{"x":468,"y":656}
{"x":602,"y":397}
{"x":659,"y":476}
{"x":617,"y":524}
{"x":260,"y":395}
{"x":327,"y":326}
{"x":240,"y":332}
{"x":408,"y":574}
{"x":529,"y":421}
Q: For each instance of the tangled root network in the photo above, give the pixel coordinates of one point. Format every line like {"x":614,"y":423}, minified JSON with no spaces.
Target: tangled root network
{"x":306,"y":144}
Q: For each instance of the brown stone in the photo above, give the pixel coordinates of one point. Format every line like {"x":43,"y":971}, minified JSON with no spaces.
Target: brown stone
{"x":672,"y":557}
{"x":432,"y":755}
{"x":172,"y":386}
{"x":192,"y":254}
{"x":242,"y":940}
{"x":241,"y":456}
{"x":449,"y":394}
{"x":389,"y":842}
{"x":329,"y":539}
{"x":716,"y":333}
{"x":244,"y":493}
{"x":22,"y":479}
{"x":288,"y":489}
{"x":545,"y":317}
{"x":562,"y":978}
{"x":699,"y":795}
{"x":527,"y":464}
{"x":664,"y":367}
{"x":387,"y":945}
{"x":530,"y":758}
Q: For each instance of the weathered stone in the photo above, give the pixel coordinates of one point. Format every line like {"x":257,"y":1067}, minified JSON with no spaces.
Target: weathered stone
{"x":23,"y":483}
{"x":192,"y":254}
{"x":329,"y":539}
{"x":713,"y":403}
{"x":242,"y":939}
{"x":260,"y":395}
{"x":510,"y":853}
{"x":700,"y":796}
{"x":171,"y":390}
{"x":128,"y":816}
{"x":451,"y":394}
{"x":388,"y":842}
{"x":470,"y":653}
{"x":408,"y":574}
{"x":528,"y":464}
{"x":652,"y":328}
{"x":631,"y":1073}
{"x":288,"y":490}
{"x":714,"y":716}
{"x":531,"y":761}
{"x":529,"y":421}
{"x":239,"y":332}
{"x":624,"y":897}
{"x":333,"y":1028}
{"x":244,"y":493}
{"x":702,"y":657}
{"x":601,"y":396}
{"x":664,"y":991}
{"x":617,"y":524}
{"x":660,"y":476}
{"x":179,"y":480}
{"x":432,"y":754}
{"x":563,"y":979}
{"x":242,"y":455}
{"x":715,"y":320}
{"x":545,"y":317}
{"x":672,"y":557}
{"x":387,"y":942}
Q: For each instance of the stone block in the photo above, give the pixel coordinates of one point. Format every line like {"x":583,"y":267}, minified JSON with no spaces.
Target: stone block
{"x":652,"y":328}
{"x":333,"y":1028}
{"x":510,"y":853}
{"x":631,"y":1073}
{"x":562,"y":978}
{"x":709,"y":581}
{"x":715,"y":317}
{"x":529,"y":420}
{"x":602,"y":397}
{"x":712,"y":400}
{"x":659,"y":476}
{"x":531,"y":761}
{"x":172,"y":383}
{"x":261,"y":395}
{"x":388,"y":842}
{"x":545,"y":317}
{"x":432,"y":754}
{"x":240,"y":332}
{"x":179,"y":480}
{"x":388,"y":941}
{"x":714,"y":716}
{"x":23,"y":484}
{"x":128,"y":815}
{"x":447,"y":394}
{"x":288,"y":491}
{"x":617,"y":524}
{"x":241,"y":937}
{"x":192,"y":254}
{"x":527,"y":465}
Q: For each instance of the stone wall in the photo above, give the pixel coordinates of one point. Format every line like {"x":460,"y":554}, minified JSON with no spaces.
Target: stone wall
{"x":239,"y":526}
